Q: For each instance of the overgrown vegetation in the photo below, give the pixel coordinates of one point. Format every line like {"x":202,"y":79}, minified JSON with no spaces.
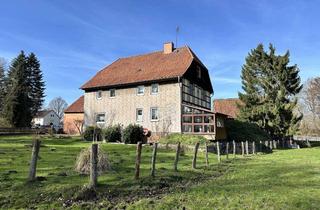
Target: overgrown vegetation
{"x":132,"y":134}
{"x":112,"y":133}
{"x":92,"y":133}
{"x":245,"y":131}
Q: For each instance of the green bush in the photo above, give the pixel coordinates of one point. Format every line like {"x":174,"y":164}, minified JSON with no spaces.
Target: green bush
{"x":242,"y":131}
{"x":132,"y":134}
{"x":112,"y":133}
{"x":89,"y":131}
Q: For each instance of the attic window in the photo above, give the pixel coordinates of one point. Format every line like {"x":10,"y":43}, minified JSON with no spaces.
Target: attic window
{"x":198,"y":72}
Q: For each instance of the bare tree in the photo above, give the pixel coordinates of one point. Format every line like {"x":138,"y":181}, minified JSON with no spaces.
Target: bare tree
{"x":58,"y":105}
{"x":78,"y":123}
{"x":310,"y":103}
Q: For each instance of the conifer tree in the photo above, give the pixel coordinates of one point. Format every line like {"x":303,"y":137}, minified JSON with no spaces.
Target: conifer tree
{"x":2,"y":86}
{"x":269,"y":85}
{"x":35,"y":83}
{"x":17,"y":102}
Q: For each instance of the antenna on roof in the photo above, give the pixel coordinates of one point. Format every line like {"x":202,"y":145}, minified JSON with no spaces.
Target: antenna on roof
{"x":177,"y":32}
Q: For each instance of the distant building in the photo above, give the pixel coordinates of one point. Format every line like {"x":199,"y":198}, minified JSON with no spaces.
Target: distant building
{"x":227,"y":106}
{"x":74,"y":117}
{"x":46,"y":118}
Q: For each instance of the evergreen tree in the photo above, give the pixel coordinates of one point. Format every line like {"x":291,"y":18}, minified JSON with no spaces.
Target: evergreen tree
{"x":35,"y":83}
{"x":2,"y":86}
{"x":269,"y":85}
{"x":17,"y":108}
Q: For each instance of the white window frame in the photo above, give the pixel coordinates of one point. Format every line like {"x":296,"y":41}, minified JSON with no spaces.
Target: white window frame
{"x":140,"y":86}
{"x":154,"y":120}
{"x":154,"y":93}
{"x":97,"y":95}
{"x":137,"y":119}
{"x":96,"y":117}
{"x":114,"y":93}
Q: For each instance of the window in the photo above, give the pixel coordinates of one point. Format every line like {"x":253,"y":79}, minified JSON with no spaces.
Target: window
{"x":99,"y":94}
{"x":154,"y":89}
{"x":139,"y":115}
{"x":140,"y":90}
{"x":112,"y":93}
{"x":154,"y":114}
{"x":198,"y":72}
{"x":220,"y":122}
{"x":100,"y":118}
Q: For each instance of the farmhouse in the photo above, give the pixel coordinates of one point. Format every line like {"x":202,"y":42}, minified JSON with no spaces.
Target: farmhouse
{"x":167,"y":91}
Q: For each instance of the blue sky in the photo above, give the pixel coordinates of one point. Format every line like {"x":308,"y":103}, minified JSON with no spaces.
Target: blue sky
{"x":74,"y":39}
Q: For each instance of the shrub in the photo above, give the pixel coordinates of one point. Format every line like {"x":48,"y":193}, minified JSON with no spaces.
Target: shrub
{"x":112,"y":133}
{"x":132,"y":134}
{"x":242,"y":131}
{"x":83,"y":161}
{"x":90,"y":131}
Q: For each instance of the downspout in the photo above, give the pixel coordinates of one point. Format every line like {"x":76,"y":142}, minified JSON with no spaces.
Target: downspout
{"x":180,"y":111}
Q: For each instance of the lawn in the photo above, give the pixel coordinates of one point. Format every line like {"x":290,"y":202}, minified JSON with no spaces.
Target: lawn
{"x":285,"y":179}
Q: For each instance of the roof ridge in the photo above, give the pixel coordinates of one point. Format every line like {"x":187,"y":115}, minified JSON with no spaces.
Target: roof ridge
{"x":154,"y":52}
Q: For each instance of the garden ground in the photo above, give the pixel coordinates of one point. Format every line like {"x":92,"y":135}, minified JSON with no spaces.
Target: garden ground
{"x":285,"y":179}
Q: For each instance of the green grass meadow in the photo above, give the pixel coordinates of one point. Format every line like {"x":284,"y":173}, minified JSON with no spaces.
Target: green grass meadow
{"x":285,"y":179}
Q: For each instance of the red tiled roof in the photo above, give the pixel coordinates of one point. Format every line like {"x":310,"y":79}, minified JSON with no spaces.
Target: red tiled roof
{"x":76,"y":107}
{"x":227,"y":106}
{"x":143,"y":68}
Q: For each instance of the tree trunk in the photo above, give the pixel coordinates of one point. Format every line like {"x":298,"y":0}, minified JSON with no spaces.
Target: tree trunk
{"x":247,"y":147}
{"x":253,"y":147}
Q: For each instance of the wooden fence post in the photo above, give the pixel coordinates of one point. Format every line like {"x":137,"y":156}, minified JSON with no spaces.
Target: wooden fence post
{"x":253,"y":147}
{"x":260,"y":146}
{"x":234,"y":148}
{"x":94,"y":166}
{"x":227,"y":150}
{"x":34,"y":160}
{"x":138,"y":160}
{"x":153,"y":160}
{"x":207,"y":155}
{"x":242,"y":148}
{"x":218,"y":151}
{"x":175,"y":167}
{"x":247,"y":147}
{"x":194,"y":160}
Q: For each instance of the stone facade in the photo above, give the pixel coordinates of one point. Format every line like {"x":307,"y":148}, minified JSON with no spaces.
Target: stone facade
{"x":69,"y":121}
{"x":123,"y":107}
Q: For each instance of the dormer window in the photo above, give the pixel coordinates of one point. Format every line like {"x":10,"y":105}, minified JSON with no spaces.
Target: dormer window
{"x":99,"y":95}
{"x":140,"y":90}
{"x":154,"y":89}
{"x":198,"y":72}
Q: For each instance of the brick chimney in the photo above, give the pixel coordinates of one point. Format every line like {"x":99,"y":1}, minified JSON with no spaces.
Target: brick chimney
{"x":168,"y":47}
